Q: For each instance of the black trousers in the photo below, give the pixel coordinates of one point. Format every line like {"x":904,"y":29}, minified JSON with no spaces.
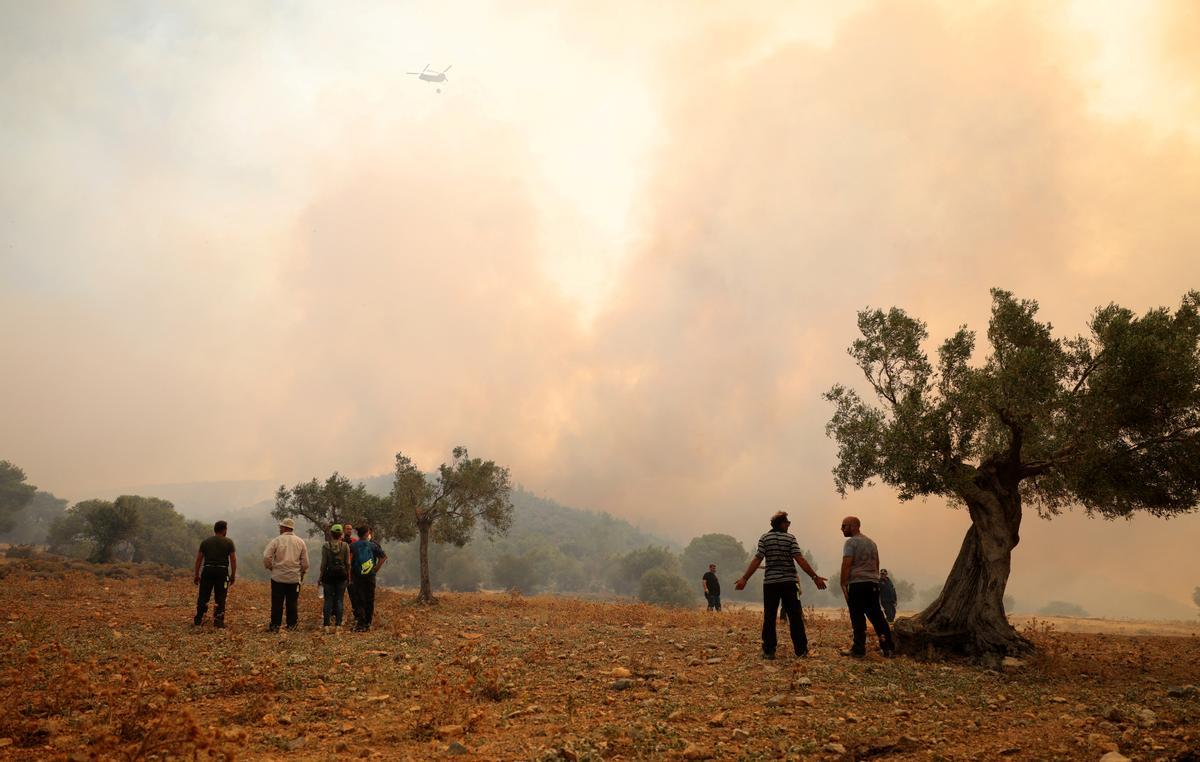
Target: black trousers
{"x":889,"y":610}
{"x":363,"y":599}
{"x":284,"y":594}
{"x":863,"y":601}
{"x":776,"y":594}
{"x":214,"y":583}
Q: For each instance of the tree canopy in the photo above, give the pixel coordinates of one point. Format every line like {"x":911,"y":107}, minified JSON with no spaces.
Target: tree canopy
{"x":132,"y":527}
{"x":15,"y":494}
{"x":334,"y":501}
{"x":465,"y":493}
{"x":725,"y":551}
{"x":1108,"y":420}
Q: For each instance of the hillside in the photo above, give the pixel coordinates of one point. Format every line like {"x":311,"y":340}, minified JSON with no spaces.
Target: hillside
{"x":112,"y":665}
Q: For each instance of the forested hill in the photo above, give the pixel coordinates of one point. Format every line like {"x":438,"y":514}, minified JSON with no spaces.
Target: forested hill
{"x":549,"y":547}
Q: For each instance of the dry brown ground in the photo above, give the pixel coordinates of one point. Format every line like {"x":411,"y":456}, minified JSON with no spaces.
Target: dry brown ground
{"x":111,"y":668}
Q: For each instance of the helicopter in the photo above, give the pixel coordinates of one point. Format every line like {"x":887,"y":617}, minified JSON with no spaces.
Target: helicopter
{"x":431,"y":76}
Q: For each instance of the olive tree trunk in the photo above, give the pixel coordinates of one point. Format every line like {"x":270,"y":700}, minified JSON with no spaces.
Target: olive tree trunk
{"x":426,"y":594}
{"x":968,"y":617}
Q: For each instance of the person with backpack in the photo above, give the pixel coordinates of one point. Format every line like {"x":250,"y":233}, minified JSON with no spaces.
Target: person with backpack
{"x":366,"y":559}
{"x":334,"y":576}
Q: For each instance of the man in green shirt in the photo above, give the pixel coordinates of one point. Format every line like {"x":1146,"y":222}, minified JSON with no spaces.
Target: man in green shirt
{"x":216,"y":569}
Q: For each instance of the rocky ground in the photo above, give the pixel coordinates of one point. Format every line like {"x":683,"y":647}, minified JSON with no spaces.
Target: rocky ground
{"x":110,"y":667}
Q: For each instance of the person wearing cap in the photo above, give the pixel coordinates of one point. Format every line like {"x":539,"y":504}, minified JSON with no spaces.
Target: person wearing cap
{"x":887,"y":596}
{"x":216,"y":568}
{"x":335,"y":573}
{"x":780,"y":550}
{"x":286,"y":557}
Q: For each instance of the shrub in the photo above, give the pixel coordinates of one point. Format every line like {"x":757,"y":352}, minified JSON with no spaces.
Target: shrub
{"x":665,"y":588}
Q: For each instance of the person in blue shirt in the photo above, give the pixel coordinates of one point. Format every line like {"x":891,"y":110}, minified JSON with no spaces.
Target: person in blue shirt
{"x":366,"y":559}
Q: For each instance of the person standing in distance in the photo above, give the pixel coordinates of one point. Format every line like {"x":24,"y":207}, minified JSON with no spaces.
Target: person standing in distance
{"x":860,"y":585}
{"x":712,"y":588}
{"x":887,"y":596}
{"x":780,"y":550}
{"x":216,"y":569}
{"x":286,"y":557}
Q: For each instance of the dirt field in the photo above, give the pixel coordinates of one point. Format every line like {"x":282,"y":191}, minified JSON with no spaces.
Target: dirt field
{"x":111,"y":668}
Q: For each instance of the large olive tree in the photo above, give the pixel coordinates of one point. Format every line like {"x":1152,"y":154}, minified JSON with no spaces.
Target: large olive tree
{"x":1109,"y":421}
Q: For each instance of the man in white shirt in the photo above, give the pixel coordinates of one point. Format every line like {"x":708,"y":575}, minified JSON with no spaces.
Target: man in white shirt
{"x":286,"y":557}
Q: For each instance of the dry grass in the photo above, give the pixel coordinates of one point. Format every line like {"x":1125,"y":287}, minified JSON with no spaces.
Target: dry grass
{"x":111,"y":668}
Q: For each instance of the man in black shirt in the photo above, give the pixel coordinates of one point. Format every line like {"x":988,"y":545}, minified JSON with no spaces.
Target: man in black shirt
{"x":216,"y":568}
{"x":712,"y":588}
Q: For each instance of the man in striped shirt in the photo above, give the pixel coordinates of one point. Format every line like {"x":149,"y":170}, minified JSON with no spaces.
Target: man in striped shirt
{"x":781,"y":552}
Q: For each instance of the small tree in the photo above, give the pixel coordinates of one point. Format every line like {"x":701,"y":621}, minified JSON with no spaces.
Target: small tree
{"x":99,"y":526}
{"x":725,"y":551}
{"x":626,"y":573}
{"x":15,"y":494}
{"x":335,"y":501}
{"x":666,"y":588}
{"x":465,"y":492}
{"x":1196,"y":596}
{"x":1109,"y":421}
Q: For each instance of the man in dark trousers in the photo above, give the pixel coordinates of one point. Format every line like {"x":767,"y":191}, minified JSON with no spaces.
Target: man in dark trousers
{"x":712,"y":588}
{"x":887,"y":596}
{"x":860,"y":585}
{"x":216,"y":569}
{"x":366,"y":559}
{"x":781,"y":552}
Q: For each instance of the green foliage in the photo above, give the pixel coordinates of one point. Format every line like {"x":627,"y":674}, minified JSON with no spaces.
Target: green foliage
{"x":664,"y":587}
{"x":513,"y":572}
{"x":98,"y":528}
{"x":32,"y":524}
{"x":141,"y":529}
{"x":460,"y":571}
{"x":466,"y":493}
{"x":625,"y":576}
{"x":335,"y":501}
{"x":905,"y":590}
{"x":164,"y":536}
{"x":725,"y":551}
{"x":15,"y":494}
{"x":1062,"y":608}
{"x":1110,"y":420}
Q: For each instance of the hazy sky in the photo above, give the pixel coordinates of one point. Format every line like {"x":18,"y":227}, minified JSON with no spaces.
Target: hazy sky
{"x":620,"y":252}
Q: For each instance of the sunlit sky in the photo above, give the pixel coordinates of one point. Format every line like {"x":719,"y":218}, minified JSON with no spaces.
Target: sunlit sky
{"x":620,"y":251}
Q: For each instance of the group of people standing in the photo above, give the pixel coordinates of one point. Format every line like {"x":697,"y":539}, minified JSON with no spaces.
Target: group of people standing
{"x":865,"y":586}
{"x":348,"y":567}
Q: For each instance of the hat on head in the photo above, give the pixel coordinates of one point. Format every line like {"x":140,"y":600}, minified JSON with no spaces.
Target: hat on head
{"x":335,"y":529}
{"x":288,"y":523}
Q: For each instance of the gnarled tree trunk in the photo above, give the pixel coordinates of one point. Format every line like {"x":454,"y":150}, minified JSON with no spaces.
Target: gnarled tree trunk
{"x":968,"y":617}
{"x":426,"y":594}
